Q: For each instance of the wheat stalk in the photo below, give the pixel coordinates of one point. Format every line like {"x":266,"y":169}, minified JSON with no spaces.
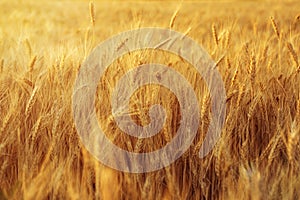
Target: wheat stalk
{"x":293,"y":53}
{"x":265,"y":53}
{"x":28,"y":47}
{"x":240,"y":95}
{"x":61,"y":63}
{"x":297,"y":117}
{"x":274,"y":149}
{"x":28,"y":82}
{"x":269,"y":64}
{"x":56,"y":121}
{"x":1,"y":65}
{"x":173,"y":18}
{"x":233,"y":79}
{"x":92,"y":13}
{"x":5,"y":121}
{"x":129,"y":146}
{"x":218,"y":159}
{"x":228,"y":63}
{"x":219,"y":61}
{"x":292,"y":140}
{"x":252,"y":69}
{"x":205,"y":105}
{"x":138,"y":145}
{"x":275,"y":27}
{"x":36,"y":129}
{"x":267,"y":150}
{"x":4,"y":165}
{"x":227,"y":39}
{"x":253,"y":107}
{"x":31,"y":63}
{"x":31,"y":101}
{"x":215,"y":34}
{"x":146,"y":187}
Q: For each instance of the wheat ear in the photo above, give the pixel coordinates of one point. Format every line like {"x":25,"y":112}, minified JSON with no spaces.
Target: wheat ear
{"x":293,"y":53}
{"x":215,"y":34}
{"x":275,"y":27}
{"x":31,"y":101}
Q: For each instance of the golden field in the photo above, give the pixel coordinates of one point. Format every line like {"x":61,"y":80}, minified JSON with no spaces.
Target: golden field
{"x":256,"y":47}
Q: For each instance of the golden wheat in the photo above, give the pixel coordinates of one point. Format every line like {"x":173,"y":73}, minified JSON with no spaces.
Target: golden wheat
{"x":257,"y":154}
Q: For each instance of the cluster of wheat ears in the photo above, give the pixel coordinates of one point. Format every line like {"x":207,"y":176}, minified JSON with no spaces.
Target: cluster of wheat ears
{"x":256,"y":48}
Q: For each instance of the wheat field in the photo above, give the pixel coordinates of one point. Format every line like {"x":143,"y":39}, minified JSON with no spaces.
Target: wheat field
{"x":255,"y":45}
